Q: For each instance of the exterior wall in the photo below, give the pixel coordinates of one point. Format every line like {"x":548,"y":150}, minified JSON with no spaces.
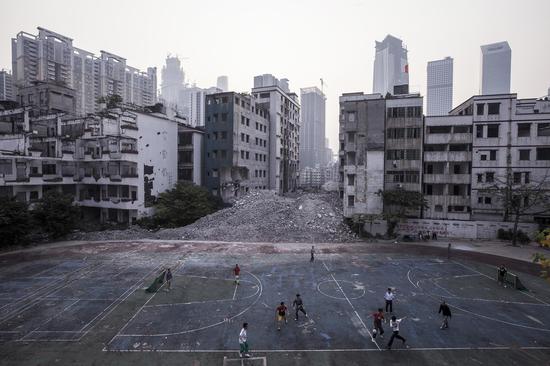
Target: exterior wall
{"x":157,"y":163}
{"x":6,"y":86}
{"x":362,"y":119}
{"x":237,"y":145}
{"x":390,"y":66}
{"x":439,"y":96}
{"x":404,"y":170}
{"x":284,"y":114}
{"x":447,"y":178}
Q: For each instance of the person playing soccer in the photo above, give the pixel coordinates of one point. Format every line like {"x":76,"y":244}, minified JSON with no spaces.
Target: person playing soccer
{"x":502,"y":275}
{"x":389,"y":296}
{"x":236,"y":272}
{"x":168,"y":279}
{"x":377,"y":319}
{"x":298,"y":305}
{"x":394,"y":324}
{"x":446,"y":311}
{"x":243,"y":341}
{"x":281,"y":315}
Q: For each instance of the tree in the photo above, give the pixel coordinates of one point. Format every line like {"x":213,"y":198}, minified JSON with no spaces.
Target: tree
{"x":545,"y":264}
{"x":521,"y":199}
{"x":15,"y":221}
{"x":400,"y":203}
{"x":56,"y":214}
{"x":183,"y":205}
{"x":112,"y":101}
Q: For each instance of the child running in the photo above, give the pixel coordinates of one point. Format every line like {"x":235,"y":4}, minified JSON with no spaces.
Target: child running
{"x":281,"y":315}
{"x":298,"y":305}
{"x":394,"y":324}
{"x":236,"y":272}
{"x":377,"y":318}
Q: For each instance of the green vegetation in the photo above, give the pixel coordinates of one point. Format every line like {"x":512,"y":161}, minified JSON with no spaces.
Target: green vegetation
{"x":15,"y":222}
{"x":56,"y":214}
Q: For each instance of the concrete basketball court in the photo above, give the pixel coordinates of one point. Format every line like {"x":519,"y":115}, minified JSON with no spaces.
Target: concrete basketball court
{"x":86,"y":305}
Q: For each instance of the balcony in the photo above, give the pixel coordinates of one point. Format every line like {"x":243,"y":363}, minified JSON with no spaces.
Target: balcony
{"x":449,"y":138}
{"x":448,"y":200}
{"x":447,"y":156}
{"x":447,"y":178}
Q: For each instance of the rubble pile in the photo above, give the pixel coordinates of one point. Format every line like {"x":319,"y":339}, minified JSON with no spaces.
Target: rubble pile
{"x":260,"y":216}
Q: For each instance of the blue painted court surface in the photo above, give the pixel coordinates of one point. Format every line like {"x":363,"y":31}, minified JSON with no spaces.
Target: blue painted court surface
{"x":93,"y":305}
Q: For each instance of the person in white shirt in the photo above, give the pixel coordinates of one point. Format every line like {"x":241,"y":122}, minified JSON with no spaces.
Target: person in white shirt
{"x":389,"y":296}
{"x":243,"y":341}
{"x":394,"y":324}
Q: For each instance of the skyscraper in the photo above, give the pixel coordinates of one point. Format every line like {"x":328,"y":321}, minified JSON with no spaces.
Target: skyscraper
{"x":223,"y":83}
{"x":440,"y":87}
{"x":173,"y":80}
{"x":312,"y":130}
{"x":496,"y":60}
{"x":6,"y":87}
{"x":391,"y":67}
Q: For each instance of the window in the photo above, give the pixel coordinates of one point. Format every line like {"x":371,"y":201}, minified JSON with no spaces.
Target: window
{"x":543,"y":129}
{"x":351,"y":116}
{"x":517,"y":178}
{"x":456,"y":169}
{"x":480,"y":200}
{"x":524,"y":129}
{"x":224,"y":135}
{"x":438,"y":208}
{"x":351,"y":137}
{"x":351,"y":201}
{"x":429,"y":190}
{"x":494,"y":108}
{"x":242,"y":137}
{"x":492,"y":130}
{"x":5,"y":167}
{"x":487,"y":200}
{"x":351,"y":179}
{"x":483,"y":157}
{"x":480,"y":109}
{"x":480,"y":178}
{"x":492,"y":155}
{"x":527,"y":178}
{"x":479,"y":131}
{"x":242,"y":154}
{"x":489,"y":177}
{"x":461,"y":129}
{"x":524,"y":155}
{"x":543,"y":153}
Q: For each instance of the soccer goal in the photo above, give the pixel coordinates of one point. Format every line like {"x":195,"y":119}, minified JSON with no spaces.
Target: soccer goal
{"x":250,"y":361}
{"x":512,"y":280}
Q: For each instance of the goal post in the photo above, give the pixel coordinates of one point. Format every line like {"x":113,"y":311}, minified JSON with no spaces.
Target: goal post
{"x":512,"y":280}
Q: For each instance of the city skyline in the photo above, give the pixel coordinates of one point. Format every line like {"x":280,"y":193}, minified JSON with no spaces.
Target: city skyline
{"x":146,"y":42}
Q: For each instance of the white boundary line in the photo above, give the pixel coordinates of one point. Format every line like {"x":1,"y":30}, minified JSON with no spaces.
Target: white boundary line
{"x":419,"y":349}
{"x":353,"y":307}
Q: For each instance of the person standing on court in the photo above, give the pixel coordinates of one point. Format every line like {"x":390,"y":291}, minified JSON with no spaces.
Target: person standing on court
{"x":389,"y":296}
{"x":502,"y":275}
{"x":243,"y":341}
{"x":298,"y":305}
{"x":168,"y":278}
{"x":312,"y":254}
{"x":394,"y":324}
{"x":377,"y":318}
{"x":446,"y":311}
{"x":281,"y":315}
{"x":236,"y":272}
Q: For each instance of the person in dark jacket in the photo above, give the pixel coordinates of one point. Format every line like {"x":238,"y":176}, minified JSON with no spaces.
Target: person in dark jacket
{"x":445,"y":310}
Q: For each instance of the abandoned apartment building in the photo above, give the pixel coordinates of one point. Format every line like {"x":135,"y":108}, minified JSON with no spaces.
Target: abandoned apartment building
{"x":114,"y":163}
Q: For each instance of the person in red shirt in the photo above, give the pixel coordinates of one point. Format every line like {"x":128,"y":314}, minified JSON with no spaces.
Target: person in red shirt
{"x":377,"y":318}
{"x":236,"y":272}
{"x":281,"y":315}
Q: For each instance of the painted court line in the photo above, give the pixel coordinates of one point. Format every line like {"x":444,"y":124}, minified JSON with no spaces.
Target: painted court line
{"x":353,"y":307}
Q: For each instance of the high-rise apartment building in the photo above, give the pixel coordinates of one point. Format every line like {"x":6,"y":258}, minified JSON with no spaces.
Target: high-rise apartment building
{"x":496,"y":66}
{"x":222,"y":83}
{"x":312,"y":128}
{"x":391,"y":67}
{"x":439,"y":98}
{"x":283,"y":107}
{"x":237,"y":145}
{"x":51,"y":57}
{"x":6,"y":86}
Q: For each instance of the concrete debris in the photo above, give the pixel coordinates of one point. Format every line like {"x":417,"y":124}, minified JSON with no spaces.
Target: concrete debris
{"x":260,"y":216}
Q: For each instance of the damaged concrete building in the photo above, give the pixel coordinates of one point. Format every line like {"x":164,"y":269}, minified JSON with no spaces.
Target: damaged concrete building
{"x":114,"y":163}
{"x":237,"y":145}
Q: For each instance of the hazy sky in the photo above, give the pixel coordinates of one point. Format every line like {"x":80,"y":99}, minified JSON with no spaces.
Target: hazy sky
{"x":302,"y":40}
